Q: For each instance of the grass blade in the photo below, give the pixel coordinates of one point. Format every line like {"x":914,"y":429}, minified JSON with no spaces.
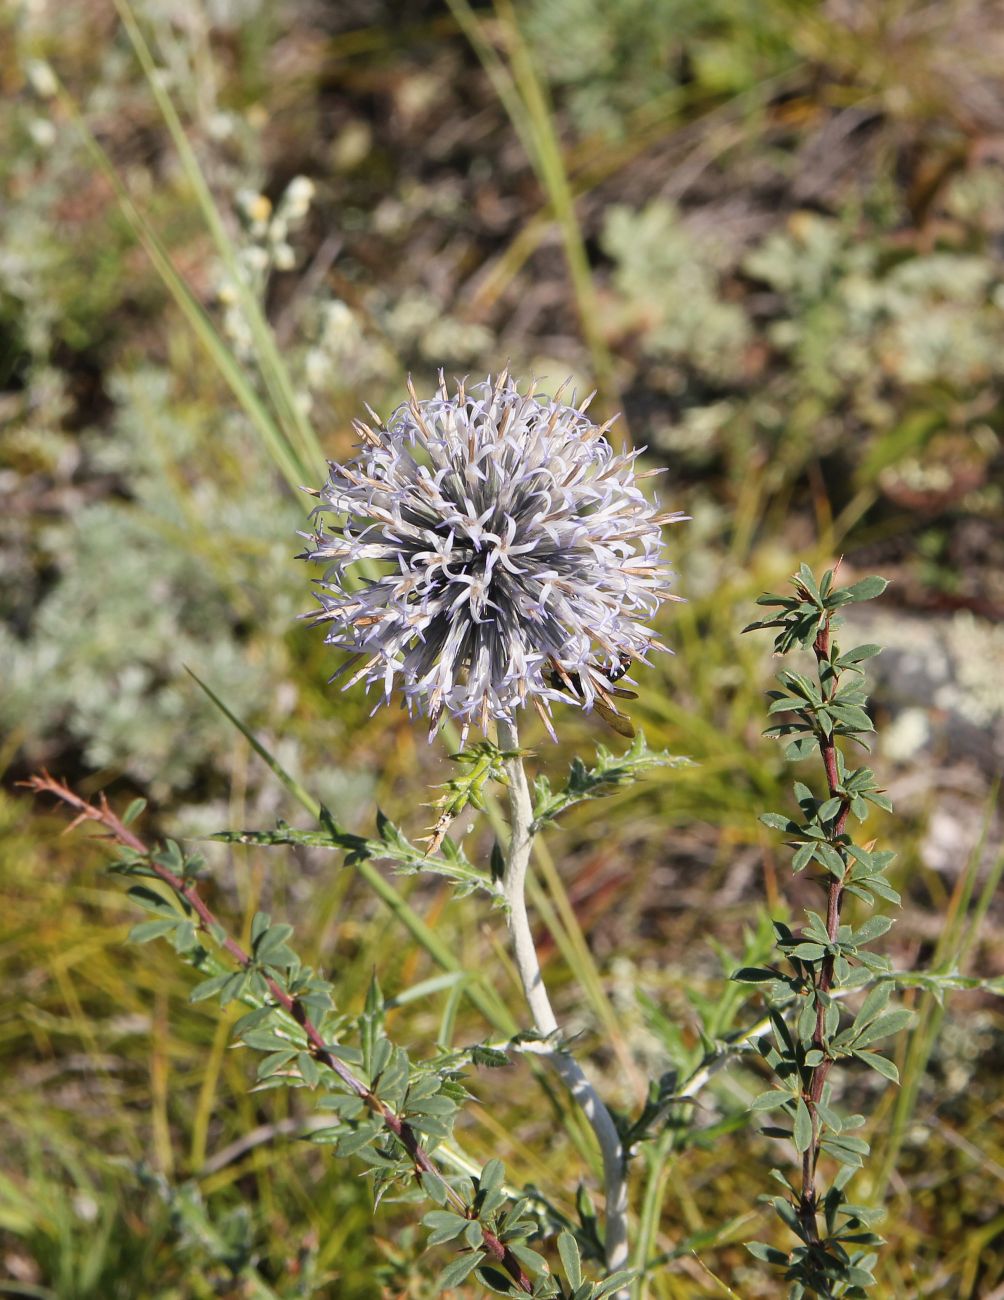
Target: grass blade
{"x":274,"y":372}
{"x":486,"y":1000}
{"x":202,"y":326}
{"x":522,"y":96}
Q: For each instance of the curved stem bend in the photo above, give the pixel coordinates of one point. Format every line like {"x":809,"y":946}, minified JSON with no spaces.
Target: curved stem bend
{"x":528,"y":966}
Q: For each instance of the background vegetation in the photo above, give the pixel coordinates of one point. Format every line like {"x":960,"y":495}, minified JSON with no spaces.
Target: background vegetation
{"x":773,"y":237}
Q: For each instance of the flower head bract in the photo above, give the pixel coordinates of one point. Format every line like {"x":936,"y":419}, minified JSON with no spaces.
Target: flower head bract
{"x":487,"y":550}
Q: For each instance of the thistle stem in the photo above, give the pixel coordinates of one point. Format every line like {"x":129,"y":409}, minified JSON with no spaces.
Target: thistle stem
{"x":544,"y":1021}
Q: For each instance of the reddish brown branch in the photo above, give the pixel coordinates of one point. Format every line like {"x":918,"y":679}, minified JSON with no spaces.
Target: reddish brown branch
{"x":402,"y":1131}
{"x":828,"y":752}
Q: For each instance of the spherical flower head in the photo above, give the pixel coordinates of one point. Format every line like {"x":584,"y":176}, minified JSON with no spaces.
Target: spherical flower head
{"x":505,"y":555}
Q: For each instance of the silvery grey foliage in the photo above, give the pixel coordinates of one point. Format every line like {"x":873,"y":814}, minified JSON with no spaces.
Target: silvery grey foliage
{"x":513,"y":556}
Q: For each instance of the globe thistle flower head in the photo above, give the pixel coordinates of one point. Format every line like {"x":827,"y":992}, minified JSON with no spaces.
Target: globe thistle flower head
{"x":505,"y":556}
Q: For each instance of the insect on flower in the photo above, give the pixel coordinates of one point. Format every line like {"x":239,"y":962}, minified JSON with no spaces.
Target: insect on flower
{"x":603,"y":704}
{"x":488,"y":550}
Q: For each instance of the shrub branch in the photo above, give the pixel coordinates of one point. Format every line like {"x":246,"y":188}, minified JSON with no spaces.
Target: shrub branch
{"x":318,"y":1049}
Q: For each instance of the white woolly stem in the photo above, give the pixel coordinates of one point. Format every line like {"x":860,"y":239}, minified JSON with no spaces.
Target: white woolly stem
{"x":528,"y":966}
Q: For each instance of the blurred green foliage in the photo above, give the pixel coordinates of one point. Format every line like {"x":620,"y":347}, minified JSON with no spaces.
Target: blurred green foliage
{"x":611,"y":66}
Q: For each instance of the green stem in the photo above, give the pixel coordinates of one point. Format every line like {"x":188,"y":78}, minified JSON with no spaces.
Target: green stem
{"x":488,"y":1003}
{"x":651,"y":1209}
